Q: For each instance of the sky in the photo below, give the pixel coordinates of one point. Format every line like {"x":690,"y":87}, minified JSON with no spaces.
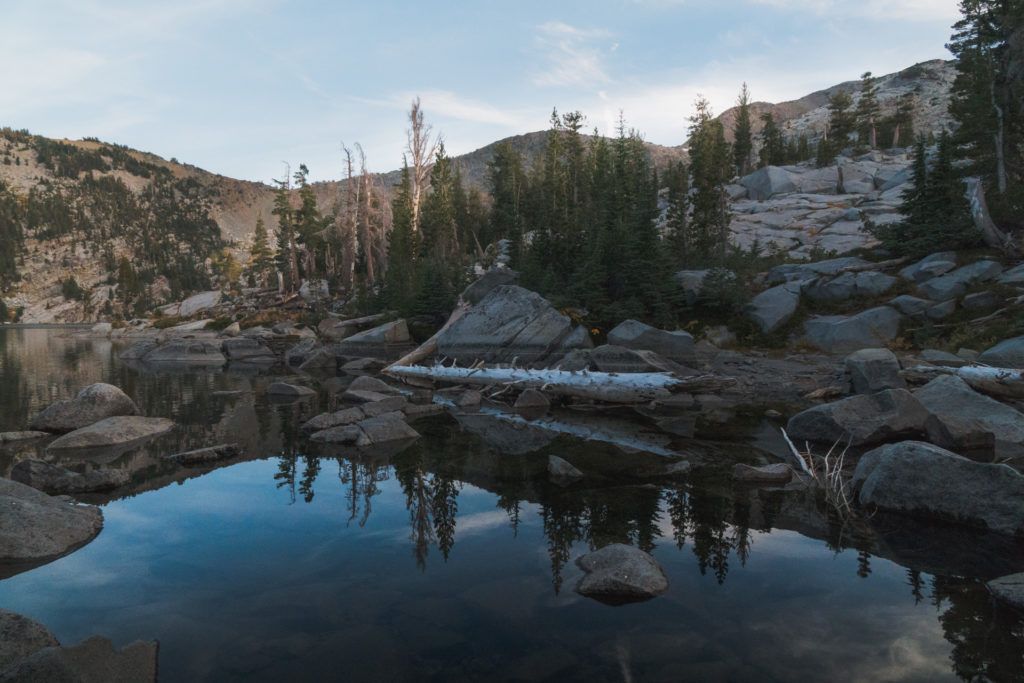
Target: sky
{"x":239,"y":87}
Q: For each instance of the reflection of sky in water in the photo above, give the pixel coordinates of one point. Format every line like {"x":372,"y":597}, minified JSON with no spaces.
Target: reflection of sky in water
{"x":239,"y":577}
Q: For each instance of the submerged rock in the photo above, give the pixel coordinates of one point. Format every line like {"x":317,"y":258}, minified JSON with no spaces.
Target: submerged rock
{"x":36,"y":527}
{"x":861,"y":420}
{"x":921,"y":479}
{"x":621,"y":573}
{"x":92,"y":404}
{"x":114,"y":431}
{"x":55,"y":480}
{"x":93,"y":660}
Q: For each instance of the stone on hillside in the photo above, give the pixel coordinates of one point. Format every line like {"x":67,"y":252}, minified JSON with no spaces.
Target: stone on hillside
{"x":495,"y":277}
{"x":93,"y":660}
{"x":1008,"y":353}
{"x":924,"y":480}
{"x":980,"y":301}
{"x":874,"y":370}
{"x":838,"y":334}
{"x":893,"y":181}
{"x":911,"y":305}
{"x":632,"y":334}
{"x":245,"y":350}
{"x":35,"y":526}
{"x":963,"y":419}
{"x":113,"y":431}
{"x":735,"y":192}
{"x":818,"y":180}
{"x":1009,"y":589}
{"x":232,"y":330}
{"x":384,"y":341}
{"x":773,"y":308}
{"x":57,"y":480}
{"x":791,"y":272}
{"x":861,"y":420}
{"x":941,"y":311}
{"x":21,"y":637}
{"x":943,"y":358}
{"x":186,"y":352}
{"x":315,"y":290}
{"x":532,"y":399}
{"x":930,"y":266}
{"x":767,"y":182}
{"x":1014,"y":276}
{"x":198,"y":302}
{"x":290,"y":390}
{"x":850,"y":285}
{"x":562,"y":471}
{"x":621,"y":573}
{"x":510,"y":323}
{"x":92,"y":404}
{"x":776,"y":473}
{"x":954,"y":284}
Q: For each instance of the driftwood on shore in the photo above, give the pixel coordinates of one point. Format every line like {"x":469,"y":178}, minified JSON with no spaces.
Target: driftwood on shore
{"x":627,"y":388}
{"x":998,"y":382}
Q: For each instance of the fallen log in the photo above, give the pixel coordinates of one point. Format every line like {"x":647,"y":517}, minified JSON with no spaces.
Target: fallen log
{"x":610,"y":387}
{"x":998,"y":382}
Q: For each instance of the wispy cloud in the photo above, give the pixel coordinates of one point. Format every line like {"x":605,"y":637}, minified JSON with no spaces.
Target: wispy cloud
{"x":573,"y":56}
{"x":904,"y":10}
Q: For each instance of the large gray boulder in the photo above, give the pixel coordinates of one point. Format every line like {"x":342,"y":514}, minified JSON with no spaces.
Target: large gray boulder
{"x":767,"y":182}
{"x":963,"y":419}
{"x":874,"y":370}
{"x":837,"y":334}
{"x":861,"y":420}
{"x":953,"y":285}
{"x":1008,"y":353}
{"x":389,"y":340}
{"x":36,"y":527}
{"x":495,"y":277}
{"x":633,"y":334}
{"x":113,"y":431}
{"x":773,"y":308}
{"x":246,"y":350}
{"x":921,"y":479}
{"x":621,"y":573}
{"x":57,"y":480}
{"x":790,"y":272}
{"x":850,"y":285}
{"x":929,"y":267}
{"x":92,"y":404}
{"x":510,"y":322}
{"x":94,"y":660}
{"x":198,"y":302}
{"x":187,"y":352}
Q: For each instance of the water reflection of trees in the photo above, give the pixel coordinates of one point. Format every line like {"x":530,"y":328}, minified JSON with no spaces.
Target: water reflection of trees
{"x":432,"y":501}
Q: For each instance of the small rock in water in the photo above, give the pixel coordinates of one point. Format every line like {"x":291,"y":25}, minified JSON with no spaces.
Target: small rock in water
{"x":620,"y":573}
{"x":1009,"y":589}
{"x":56,"y":480}
{"x":285,"y":389}
{"x":562,"y":472}
{"x":776,"y":473}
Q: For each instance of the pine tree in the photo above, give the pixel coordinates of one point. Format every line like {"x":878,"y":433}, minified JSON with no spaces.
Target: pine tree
{"x":400,"y":276}
{"x":261,"y":260}
{"x":841,"y":123}
{"x":773,"y":146}
{"x":678,"y":217}
{"x":743,"y":142}
{"x":287,"y":259}
{"x":507,"y":183}
{"x":868,"y":111}
{"x":710,"y":169}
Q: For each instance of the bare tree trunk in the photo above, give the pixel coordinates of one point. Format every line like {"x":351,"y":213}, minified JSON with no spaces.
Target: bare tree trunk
{"x":896,"y":136}
{"x":421,"y":151}
{"x":990,"y":232}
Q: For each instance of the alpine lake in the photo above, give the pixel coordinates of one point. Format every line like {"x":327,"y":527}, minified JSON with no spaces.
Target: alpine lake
{"x":454,"y":558}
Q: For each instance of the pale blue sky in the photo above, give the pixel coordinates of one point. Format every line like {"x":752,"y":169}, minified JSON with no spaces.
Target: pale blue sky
{"x":238,"y":86}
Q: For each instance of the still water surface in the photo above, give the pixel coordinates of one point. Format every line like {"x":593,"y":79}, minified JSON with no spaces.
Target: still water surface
{"x":454,"y":559}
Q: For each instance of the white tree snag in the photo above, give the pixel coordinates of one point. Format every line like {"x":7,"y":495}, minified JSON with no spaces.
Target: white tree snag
{"x":998,"y":382}
{"x":990,"y":232}
{"x":627,"y":388}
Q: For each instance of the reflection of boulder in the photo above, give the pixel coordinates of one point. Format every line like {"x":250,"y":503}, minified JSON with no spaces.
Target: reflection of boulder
{"x":504,"y":436}
{"x":55,"y":480}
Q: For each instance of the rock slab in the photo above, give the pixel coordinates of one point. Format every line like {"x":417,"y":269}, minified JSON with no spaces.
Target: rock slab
{"x":35,"y":526}
{"x":92,"y":404}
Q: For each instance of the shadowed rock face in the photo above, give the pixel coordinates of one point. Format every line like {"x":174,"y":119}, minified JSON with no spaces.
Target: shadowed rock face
{"x":861,"y":420}
{"x":92,"y":404}
{"x":35,"y":527}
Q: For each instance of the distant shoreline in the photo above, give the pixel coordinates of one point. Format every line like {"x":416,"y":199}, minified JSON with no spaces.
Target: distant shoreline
{"x":56,"y":326}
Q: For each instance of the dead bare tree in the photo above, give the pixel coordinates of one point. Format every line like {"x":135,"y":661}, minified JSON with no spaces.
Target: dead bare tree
{"x":421,"y":147}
